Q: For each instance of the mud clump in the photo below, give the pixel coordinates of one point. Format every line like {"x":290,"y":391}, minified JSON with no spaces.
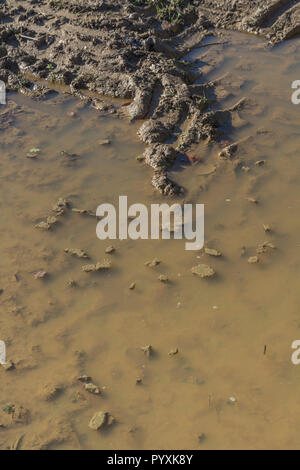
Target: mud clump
{"x":84,"y":378}
{"x":265,"y":247}
{"x":48,"y":224}
{"x":92,"y":388}
{"x":83,"y":212}
{"x":203,"y":271}
{"x":163,"y":278}
{"x":165,"y":185}
{"x":77,"y":253}
{"x":100,"y":420}
{"x":19,"y":414}
{"x":212,"y":252}
{"x":147,"y":350}
{"x":154,"y":132}
{"x":60,"y":207}
{"x":153,"y":264}
{"x":69,"y":159}
{"x":50,"y":392}
{"x":160,"y":156}
{"x":101,"y":266}
{"x":40,"y":274}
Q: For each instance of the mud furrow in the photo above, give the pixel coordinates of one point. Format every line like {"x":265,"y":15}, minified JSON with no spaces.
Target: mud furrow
{"x":265,"y":14}
{"x":274,"y":17}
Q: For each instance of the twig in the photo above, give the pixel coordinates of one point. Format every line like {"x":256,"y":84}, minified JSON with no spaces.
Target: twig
{"x":27,"y":37}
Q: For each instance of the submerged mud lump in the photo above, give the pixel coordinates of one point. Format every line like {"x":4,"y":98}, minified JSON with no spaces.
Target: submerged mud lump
{"x":203,"y":271}
{"x":100,"y":266}
{"x":76,"y":252}
{"x":60,"y":207}
{"x":92,"y":388}
{"x":152,"y":264}
{"x":147,"y":350}
{"x":165,"y":185}
{"x":50,"y":392}
{"x":48,"y":224}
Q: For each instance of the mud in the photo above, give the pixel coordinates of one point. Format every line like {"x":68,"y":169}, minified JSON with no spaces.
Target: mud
{"x":131,"y":50}
{"x":219,"y":373}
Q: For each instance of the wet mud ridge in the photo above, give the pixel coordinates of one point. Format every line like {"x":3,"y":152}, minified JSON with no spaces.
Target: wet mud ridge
{"x":134,"y":50}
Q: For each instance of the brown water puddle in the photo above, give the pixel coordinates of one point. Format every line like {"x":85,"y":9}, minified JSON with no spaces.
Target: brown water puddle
{"x":54,"y":333}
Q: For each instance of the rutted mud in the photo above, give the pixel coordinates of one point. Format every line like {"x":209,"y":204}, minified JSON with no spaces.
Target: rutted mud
{"x":131,"y":50}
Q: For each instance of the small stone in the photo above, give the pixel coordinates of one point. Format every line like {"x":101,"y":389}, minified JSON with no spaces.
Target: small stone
{"x":147,"y":350}
{"x":260,"y":162}
{"x":212,"y":252}
{"x":232,"y":401}
{"x":243,"y":251}
{"x":110,"y":249}
{"x":72,"y":283}
{"x":40,"y":274}
{"x":99,"y":420}
{"x":84,"y":378}
{"x":138,"y":381}
{"x":201,"y":438}
{"x":33,"y":153}
{"x":203,"y":271}
{"x":132,"y":286}
{"x":104,"y":142}
{"x":163,"y":278}
{"x":246,"y":169}
{"x":253,"y":260}
{"x":253,"y":200}
{"x":153,"y":263}
{"x":92,"y":388}
{"x":267,"y":228}
{"x":173,"y":352}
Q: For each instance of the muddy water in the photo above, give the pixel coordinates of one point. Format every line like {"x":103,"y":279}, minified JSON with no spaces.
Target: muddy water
{"x":55,"y":332}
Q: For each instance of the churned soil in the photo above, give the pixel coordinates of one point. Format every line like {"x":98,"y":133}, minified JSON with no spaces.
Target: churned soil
{"x":133,"y":50}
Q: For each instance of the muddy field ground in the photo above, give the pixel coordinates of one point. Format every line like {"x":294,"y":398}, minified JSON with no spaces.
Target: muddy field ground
{"x":151,"y":98}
